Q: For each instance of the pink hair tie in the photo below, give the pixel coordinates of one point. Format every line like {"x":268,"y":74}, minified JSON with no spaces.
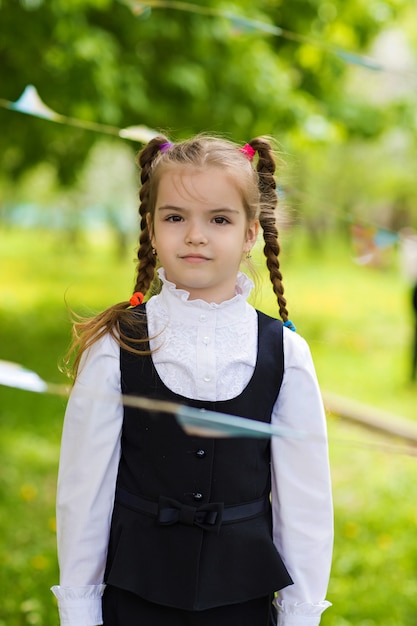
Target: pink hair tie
{"x":248,"y":151}
{"x":165,"y":146}
{"x":136,"y":299}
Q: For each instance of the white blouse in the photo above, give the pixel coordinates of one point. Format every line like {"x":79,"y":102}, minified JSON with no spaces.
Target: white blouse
{"x":205,"y":352}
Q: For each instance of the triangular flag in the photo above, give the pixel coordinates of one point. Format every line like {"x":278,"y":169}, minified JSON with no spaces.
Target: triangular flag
{"x":31,"y":103}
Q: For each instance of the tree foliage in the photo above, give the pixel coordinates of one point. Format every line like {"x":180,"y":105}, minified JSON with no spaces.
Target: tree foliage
{"x":179,"y":71}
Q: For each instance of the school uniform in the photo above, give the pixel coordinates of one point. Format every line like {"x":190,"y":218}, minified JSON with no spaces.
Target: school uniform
{"x":185,"y":506}
{"x":181,"y":539}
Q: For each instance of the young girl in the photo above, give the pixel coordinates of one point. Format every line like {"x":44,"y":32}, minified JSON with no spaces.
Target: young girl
{"x":158,"y":527}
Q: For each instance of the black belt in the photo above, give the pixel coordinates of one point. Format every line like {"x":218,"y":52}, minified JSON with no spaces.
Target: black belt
{"x":209,"y":516}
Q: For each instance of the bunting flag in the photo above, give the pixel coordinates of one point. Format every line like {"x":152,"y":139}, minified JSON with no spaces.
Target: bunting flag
{"x":31,"y":103}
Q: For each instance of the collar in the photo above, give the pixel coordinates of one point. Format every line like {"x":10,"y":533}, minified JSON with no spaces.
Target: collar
{"x":179,"y":308}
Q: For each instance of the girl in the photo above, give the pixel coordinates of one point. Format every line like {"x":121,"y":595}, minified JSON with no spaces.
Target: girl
{"x":157,"y":527}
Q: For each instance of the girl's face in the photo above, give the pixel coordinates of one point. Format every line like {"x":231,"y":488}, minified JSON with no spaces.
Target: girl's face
{"x":200,"y":231}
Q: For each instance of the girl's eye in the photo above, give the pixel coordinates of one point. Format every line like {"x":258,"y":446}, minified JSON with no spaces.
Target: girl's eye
{"x":219,"y":219}
{"x":174,"y":218}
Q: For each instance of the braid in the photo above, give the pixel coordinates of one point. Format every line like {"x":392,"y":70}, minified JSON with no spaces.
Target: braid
{"x":146,"y":257}
{"x":267,"y":218}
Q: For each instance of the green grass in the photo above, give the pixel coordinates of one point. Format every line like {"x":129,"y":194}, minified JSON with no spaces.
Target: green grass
{"x":358,"y":325}
{"x":373,"y":580}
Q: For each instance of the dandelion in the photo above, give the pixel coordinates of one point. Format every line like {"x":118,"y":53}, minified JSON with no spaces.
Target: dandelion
{"x":384,"y":541}
{"x":28,"y":493}
{"x":351,"y":530}
{"x":39,"y":562}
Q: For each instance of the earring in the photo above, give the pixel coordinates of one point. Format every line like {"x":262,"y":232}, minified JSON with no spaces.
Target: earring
{"x":154,"y":251}
{"x":248,"y":255}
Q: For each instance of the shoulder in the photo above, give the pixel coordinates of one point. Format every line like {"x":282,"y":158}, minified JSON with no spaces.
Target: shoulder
{"x":297,"y":351}
{"x":295,"y":346}
{"x":103,"y":353}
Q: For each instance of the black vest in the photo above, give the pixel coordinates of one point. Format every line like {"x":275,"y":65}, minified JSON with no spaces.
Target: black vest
{"x":191,"y":525}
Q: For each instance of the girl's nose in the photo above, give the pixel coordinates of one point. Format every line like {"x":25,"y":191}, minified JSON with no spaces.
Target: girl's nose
{"x":195,"y":235}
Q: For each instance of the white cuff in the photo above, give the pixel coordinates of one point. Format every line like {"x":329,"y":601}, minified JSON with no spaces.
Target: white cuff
{"x":79,"y":606}
{"x":302,"y":614}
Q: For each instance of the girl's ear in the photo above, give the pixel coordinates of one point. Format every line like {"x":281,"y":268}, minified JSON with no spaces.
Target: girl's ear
{"x":251,"y":235}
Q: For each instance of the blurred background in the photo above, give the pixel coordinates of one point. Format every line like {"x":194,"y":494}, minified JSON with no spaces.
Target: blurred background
{"x":83,"y":83}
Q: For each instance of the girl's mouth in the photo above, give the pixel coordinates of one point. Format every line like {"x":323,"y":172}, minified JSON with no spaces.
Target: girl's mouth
{"x":194,"y":258}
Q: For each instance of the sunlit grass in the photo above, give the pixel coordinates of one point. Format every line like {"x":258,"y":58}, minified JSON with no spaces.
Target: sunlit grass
{"x":373,"y":580}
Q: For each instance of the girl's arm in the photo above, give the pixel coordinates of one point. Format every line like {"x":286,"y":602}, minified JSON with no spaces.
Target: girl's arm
{"x":301,"y":489}
{"x":90,"y":452}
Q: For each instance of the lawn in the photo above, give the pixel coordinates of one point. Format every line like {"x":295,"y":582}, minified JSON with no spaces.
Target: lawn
{"x":358,"y":325}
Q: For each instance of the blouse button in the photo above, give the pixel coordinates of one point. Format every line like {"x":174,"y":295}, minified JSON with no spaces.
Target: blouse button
{"x":200,"y":454}
{"x":203,"y":317}
{"x":197,"y":496}
{"x":207,"y":378}
{"x":206,"y":340}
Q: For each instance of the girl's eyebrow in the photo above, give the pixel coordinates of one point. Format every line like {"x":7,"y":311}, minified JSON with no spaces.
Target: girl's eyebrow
{"x":168,"y":207}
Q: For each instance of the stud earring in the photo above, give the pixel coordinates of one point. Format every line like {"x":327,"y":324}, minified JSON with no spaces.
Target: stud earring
{"x":153,"y":251}
{"x":248,"y":255}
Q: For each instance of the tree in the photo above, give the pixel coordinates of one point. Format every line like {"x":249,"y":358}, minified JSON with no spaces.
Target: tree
{"x":179,"y":71}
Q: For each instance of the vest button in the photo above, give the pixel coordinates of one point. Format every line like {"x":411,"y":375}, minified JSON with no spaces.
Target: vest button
{"x":198,"y":496}
{"x":200,"y":454}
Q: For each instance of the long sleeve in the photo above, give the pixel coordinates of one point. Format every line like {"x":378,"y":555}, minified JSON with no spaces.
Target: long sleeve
{"x":301,"y":489}
{"x":90,"y":452}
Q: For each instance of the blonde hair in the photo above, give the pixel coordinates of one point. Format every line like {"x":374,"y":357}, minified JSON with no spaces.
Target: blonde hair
{"x":258,"y":191}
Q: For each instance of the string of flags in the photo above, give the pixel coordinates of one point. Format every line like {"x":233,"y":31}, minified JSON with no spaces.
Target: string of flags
{"x":31,"y":103}
{"x":194,"y":421}
{"x":198,"y":422}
